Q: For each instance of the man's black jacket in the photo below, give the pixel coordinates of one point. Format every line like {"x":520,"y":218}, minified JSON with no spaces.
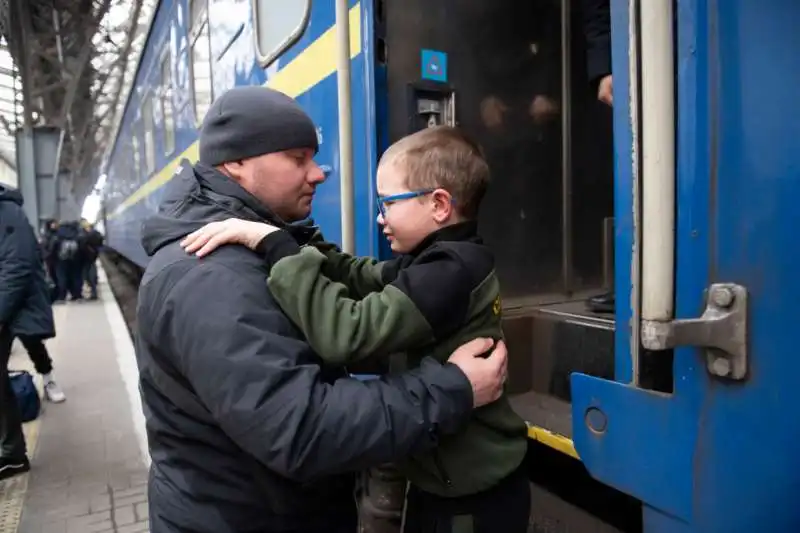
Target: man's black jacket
{"x":248,"y":431}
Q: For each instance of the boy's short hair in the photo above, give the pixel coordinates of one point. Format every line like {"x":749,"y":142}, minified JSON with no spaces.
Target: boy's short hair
{"x":443,"y":157}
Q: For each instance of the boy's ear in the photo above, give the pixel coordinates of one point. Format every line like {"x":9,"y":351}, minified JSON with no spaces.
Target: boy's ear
{"x":443,"y":205}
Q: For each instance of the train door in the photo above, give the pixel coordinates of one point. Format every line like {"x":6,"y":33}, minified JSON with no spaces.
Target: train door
{"x":513,"y":74}
{"x":717,"y":453}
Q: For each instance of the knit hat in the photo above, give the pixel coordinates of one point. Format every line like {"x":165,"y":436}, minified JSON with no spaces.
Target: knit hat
{"x":254,"y":120}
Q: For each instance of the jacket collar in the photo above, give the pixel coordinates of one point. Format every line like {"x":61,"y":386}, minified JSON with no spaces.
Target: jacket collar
{"x":462,"y":231}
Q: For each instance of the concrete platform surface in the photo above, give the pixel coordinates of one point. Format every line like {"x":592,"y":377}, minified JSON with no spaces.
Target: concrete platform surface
{"x":88,"y":454}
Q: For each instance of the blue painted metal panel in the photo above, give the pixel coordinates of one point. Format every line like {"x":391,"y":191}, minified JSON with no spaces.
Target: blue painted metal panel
{"x":624,"y":231}
{"x":753,"y":481}
{"x":716,"y":456}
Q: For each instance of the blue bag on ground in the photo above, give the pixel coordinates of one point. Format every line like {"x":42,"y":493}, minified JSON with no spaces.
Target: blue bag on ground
{"x":27,"y":396}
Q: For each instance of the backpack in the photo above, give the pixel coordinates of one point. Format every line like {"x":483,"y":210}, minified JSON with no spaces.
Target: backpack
{"x":68,"y":249}
{"x":27,"y":396}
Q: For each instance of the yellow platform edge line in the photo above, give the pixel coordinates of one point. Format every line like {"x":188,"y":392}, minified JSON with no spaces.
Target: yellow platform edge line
{"x":553,"y":440}
{"x":314,"y":64}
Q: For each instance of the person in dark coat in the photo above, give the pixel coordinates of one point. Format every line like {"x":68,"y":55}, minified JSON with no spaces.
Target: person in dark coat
{"x":91,"y":242}
{"x":69,"y":266}
{"x":248,"y":429}
{"x":48,"y":244}
{"x":24,"y":311}
{"x":597,"y":29}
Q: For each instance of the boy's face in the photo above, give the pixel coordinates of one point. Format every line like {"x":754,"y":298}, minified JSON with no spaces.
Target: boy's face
{"x":407,"y":221}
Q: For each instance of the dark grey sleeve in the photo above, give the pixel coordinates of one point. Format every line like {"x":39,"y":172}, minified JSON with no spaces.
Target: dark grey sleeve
{"x":18,"y":256}
{"x":235,"y":348}
{"x":597,"y":28}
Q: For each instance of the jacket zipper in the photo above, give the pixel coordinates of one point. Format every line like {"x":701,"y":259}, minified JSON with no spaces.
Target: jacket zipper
{"x":440,"y":467}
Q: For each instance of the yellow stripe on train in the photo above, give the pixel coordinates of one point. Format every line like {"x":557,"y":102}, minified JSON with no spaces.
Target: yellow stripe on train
{"x":311,"y":66}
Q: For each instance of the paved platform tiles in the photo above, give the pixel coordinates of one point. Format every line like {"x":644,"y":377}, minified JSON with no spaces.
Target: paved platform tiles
{"x":88,"y":454}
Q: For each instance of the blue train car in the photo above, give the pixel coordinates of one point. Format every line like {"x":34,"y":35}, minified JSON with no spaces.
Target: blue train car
{"x":670,"y":413}
{"x":198,"y":49}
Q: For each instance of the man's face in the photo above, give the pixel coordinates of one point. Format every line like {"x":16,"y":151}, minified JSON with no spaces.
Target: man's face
{"x":285,"y":182}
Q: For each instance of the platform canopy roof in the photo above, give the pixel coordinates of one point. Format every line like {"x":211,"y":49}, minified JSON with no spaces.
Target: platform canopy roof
{"x":69,"y":64}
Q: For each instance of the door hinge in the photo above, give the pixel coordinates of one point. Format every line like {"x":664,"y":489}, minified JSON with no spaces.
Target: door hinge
{"x":721,"y":330}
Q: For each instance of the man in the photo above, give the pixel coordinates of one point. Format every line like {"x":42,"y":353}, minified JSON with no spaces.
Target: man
{"x":48,"y":244}
{"x":69,"y":267}
{"x":248,"y":430}
{"x":24,"y":311}
{"x":91,"y":241}
{"x":597,"y":29}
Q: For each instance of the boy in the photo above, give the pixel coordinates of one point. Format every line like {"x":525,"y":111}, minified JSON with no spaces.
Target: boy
{"x":440,"y":292}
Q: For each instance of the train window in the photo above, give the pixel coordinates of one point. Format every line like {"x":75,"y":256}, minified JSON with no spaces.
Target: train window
{"x":200,"y":58}
{"x":202,"y":86}
{"x":147,"y":124}
{"x":137,"y":168}
{"x":278,"y":24}
{"x":167,"y":109}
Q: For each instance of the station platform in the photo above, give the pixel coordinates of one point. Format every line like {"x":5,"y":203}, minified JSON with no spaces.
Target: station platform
{"x":88,"y":454}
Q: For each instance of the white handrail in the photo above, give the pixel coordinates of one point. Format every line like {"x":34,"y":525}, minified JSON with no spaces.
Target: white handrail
{"x":658,"y":160}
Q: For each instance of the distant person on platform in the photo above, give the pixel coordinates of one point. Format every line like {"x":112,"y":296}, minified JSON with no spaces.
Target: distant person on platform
{"x":48,"y":245}
{"x":91,"y":242}
{"x":24,"y":311}
{"x":249,"y":430}
{"x":69,"y":265}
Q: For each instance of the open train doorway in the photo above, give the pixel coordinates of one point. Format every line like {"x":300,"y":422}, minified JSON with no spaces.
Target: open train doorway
{"x":513,"y":73}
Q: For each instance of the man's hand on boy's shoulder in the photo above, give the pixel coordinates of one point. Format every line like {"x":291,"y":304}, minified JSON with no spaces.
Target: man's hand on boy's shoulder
{"x":485,"y":365}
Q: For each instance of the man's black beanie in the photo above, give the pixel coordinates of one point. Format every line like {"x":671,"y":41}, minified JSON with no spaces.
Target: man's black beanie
{"x":254,"y":120}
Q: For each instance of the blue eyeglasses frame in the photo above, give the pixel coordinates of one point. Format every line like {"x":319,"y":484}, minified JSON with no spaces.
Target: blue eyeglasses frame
{"x":400,"y":196}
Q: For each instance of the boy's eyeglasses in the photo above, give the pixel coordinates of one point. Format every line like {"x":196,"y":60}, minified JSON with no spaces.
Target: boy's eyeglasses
{"x":385,"y":201}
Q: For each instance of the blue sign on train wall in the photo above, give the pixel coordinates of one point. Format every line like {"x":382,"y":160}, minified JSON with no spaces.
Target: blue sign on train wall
{"x":434,"y":65}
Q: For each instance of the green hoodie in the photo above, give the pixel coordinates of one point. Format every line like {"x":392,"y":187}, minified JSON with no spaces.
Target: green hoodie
{"x":426,"y":304}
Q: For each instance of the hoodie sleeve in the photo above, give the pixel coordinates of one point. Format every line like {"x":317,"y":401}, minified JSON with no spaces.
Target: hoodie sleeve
{"x":239,"y":353}
{"x":427,"y":301}
{"x":360,"y":275}
{"x":17,"y":260}
{"x":597,"y":27}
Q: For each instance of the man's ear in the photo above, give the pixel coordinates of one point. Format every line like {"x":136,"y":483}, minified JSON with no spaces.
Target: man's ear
{"x":232,"y":169}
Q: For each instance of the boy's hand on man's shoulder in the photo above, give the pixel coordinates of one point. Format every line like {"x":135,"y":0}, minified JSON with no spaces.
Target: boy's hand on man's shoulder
{"x":230,"y":231}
